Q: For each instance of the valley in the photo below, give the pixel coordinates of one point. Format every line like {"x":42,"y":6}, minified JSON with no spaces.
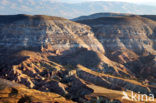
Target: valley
{"x":48,"y":59}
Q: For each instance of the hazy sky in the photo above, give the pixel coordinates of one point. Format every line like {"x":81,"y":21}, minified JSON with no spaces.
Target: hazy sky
{"x":149,"y":2}
{"x":50,"y":7}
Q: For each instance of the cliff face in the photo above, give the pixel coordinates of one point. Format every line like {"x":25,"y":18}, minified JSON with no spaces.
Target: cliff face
{"x":129,"y":40}
{"x":52,"y":54}
{"x":130,"y":36}
{"x":43,"y":32}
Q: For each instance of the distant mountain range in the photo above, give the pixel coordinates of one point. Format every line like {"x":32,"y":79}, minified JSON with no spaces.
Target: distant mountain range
{"x":70,"y":11}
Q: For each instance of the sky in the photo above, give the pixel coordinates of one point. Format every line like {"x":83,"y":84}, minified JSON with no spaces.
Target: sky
{"x":52,"y":8}
{"x":148,"y":2}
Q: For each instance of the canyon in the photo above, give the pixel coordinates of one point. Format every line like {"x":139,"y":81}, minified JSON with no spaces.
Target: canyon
{"x":85,"y":61}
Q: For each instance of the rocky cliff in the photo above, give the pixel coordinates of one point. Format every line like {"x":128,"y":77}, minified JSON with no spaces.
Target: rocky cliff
{"x":43,"y":32}
{"x":53,"y":54}
{"x":126,"y":39}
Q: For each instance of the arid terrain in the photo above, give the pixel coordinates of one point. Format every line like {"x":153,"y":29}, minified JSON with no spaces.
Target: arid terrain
{"x":47,"y":59}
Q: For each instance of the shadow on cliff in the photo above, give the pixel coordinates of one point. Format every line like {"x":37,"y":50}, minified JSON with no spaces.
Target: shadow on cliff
{"x":144,"y":67}
{"x":76,"y":56}
{"x":7,"y":62}
{"x":8,"y":58}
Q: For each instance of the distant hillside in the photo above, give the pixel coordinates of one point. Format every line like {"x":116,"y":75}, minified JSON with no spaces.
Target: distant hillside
{"x":102,"y":14}
{"x":153,"y":17}
{"x":98,"y":15}
{"x":47,"y":7}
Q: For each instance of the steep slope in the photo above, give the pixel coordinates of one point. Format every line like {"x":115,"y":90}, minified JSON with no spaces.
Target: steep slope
{"x":33,"y":47}
{"x":16,"y":93}
{"x":128,"y":40}
{"x":52,"y":54}
{"x":41,"y":32}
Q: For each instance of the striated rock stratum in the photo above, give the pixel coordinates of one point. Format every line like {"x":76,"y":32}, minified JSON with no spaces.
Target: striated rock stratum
{"x":78,"y":61}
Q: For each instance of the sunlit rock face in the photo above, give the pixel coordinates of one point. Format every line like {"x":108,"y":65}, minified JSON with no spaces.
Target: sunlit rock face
{"x":52,"y":33}
{"x":124,"y":37}
{"x":53,"y":54}
{"x":129,"y":40}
